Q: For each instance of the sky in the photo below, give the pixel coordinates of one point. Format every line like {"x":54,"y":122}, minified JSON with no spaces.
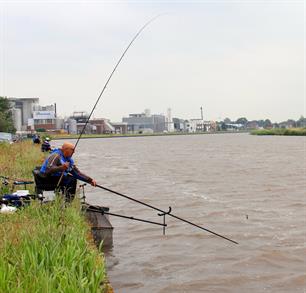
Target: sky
{"x":233,"y":58}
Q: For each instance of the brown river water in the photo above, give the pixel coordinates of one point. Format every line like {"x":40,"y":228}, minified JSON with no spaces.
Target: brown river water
{"x":251,"y":189}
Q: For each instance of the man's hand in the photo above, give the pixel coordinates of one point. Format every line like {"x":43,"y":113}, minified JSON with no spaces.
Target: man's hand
{"x":65,"y":166}
{"x":93,"y":182}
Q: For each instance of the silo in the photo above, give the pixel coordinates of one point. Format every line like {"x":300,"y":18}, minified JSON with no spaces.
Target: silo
{"x":17,"y":118}
{"x":59,"y":123}
{"x":72,"y":126}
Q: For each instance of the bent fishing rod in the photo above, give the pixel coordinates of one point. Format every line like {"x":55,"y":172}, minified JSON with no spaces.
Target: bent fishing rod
{"x":165,"y":213}
{"x":110,"y":76}
{"x":105,"y":85}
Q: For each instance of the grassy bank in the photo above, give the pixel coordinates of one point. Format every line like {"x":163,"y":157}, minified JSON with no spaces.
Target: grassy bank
{"x":18,"y":160}
{"x":45,"y":248}
{"x":280,"y":131}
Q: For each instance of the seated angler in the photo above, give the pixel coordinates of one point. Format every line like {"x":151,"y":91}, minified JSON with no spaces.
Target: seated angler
{"x":59,"y":170}
{"x":36,"y":139}
{"x":45,"y":146}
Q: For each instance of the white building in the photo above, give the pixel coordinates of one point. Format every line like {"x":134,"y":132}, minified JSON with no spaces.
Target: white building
{"x":141,"y":122}
{"x":197,"y":125}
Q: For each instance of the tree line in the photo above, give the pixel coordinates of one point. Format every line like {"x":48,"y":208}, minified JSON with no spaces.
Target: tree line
{"x":266,"y":123}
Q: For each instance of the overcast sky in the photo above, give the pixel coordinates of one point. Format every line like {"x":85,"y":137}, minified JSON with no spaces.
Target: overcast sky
{"x":234,"y":58}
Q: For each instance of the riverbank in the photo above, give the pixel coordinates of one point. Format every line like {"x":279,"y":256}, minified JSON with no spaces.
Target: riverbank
{"x":45,"y":248}
{"x":280,"y":131}
{"x":75,"y":136}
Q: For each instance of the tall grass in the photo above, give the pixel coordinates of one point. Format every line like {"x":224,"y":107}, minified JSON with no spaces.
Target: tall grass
{"x":45,"y":248}
{"x":18,"y":160}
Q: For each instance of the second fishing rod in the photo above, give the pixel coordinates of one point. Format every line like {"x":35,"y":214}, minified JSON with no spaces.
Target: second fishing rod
{"x":165,"y":213}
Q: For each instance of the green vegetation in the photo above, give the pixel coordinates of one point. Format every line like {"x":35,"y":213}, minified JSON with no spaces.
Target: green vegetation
{"x":45,"y":248}
{"x":6,"y":119}
{"x":19,"y":159}
{"x":280,"y":131}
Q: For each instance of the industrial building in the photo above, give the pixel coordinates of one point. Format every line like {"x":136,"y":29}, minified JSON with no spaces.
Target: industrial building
{"x":44,"y":118}
{"x":28,"y":115}
{"x":145,"y":122}
{"x":22,"y":110}
{"x":80,"y":119}
{"x":197,"y":125}
{"x":179,"y":125}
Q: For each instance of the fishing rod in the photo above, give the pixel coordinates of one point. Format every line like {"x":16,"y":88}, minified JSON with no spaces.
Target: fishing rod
{"x":164,"y":213}
{"x":5,"y":181}
{"x":97,"y":210}
{"x":100,"y":210}
{"x":16,"y":180}
{"x":105,"y":85}
{"x":110,"y":76}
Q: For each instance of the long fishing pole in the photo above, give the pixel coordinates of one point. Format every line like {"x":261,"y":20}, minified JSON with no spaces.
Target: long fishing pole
{"x":17,"y":180}
{"x":163,"y":213}
{"x":5,"y":181}
{"x":109,"y":78}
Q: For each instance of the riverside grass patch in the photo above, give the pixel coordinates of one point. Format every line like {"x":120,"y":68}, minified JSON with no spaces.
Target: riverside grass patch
{"x":45,"y":248}
{"x":17,"y":161}
{"x":281,"y":131}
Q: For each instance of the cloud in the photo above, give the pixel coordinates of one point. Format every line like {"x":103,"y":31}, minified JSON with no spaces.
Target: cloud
{"x":231,"y":58}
